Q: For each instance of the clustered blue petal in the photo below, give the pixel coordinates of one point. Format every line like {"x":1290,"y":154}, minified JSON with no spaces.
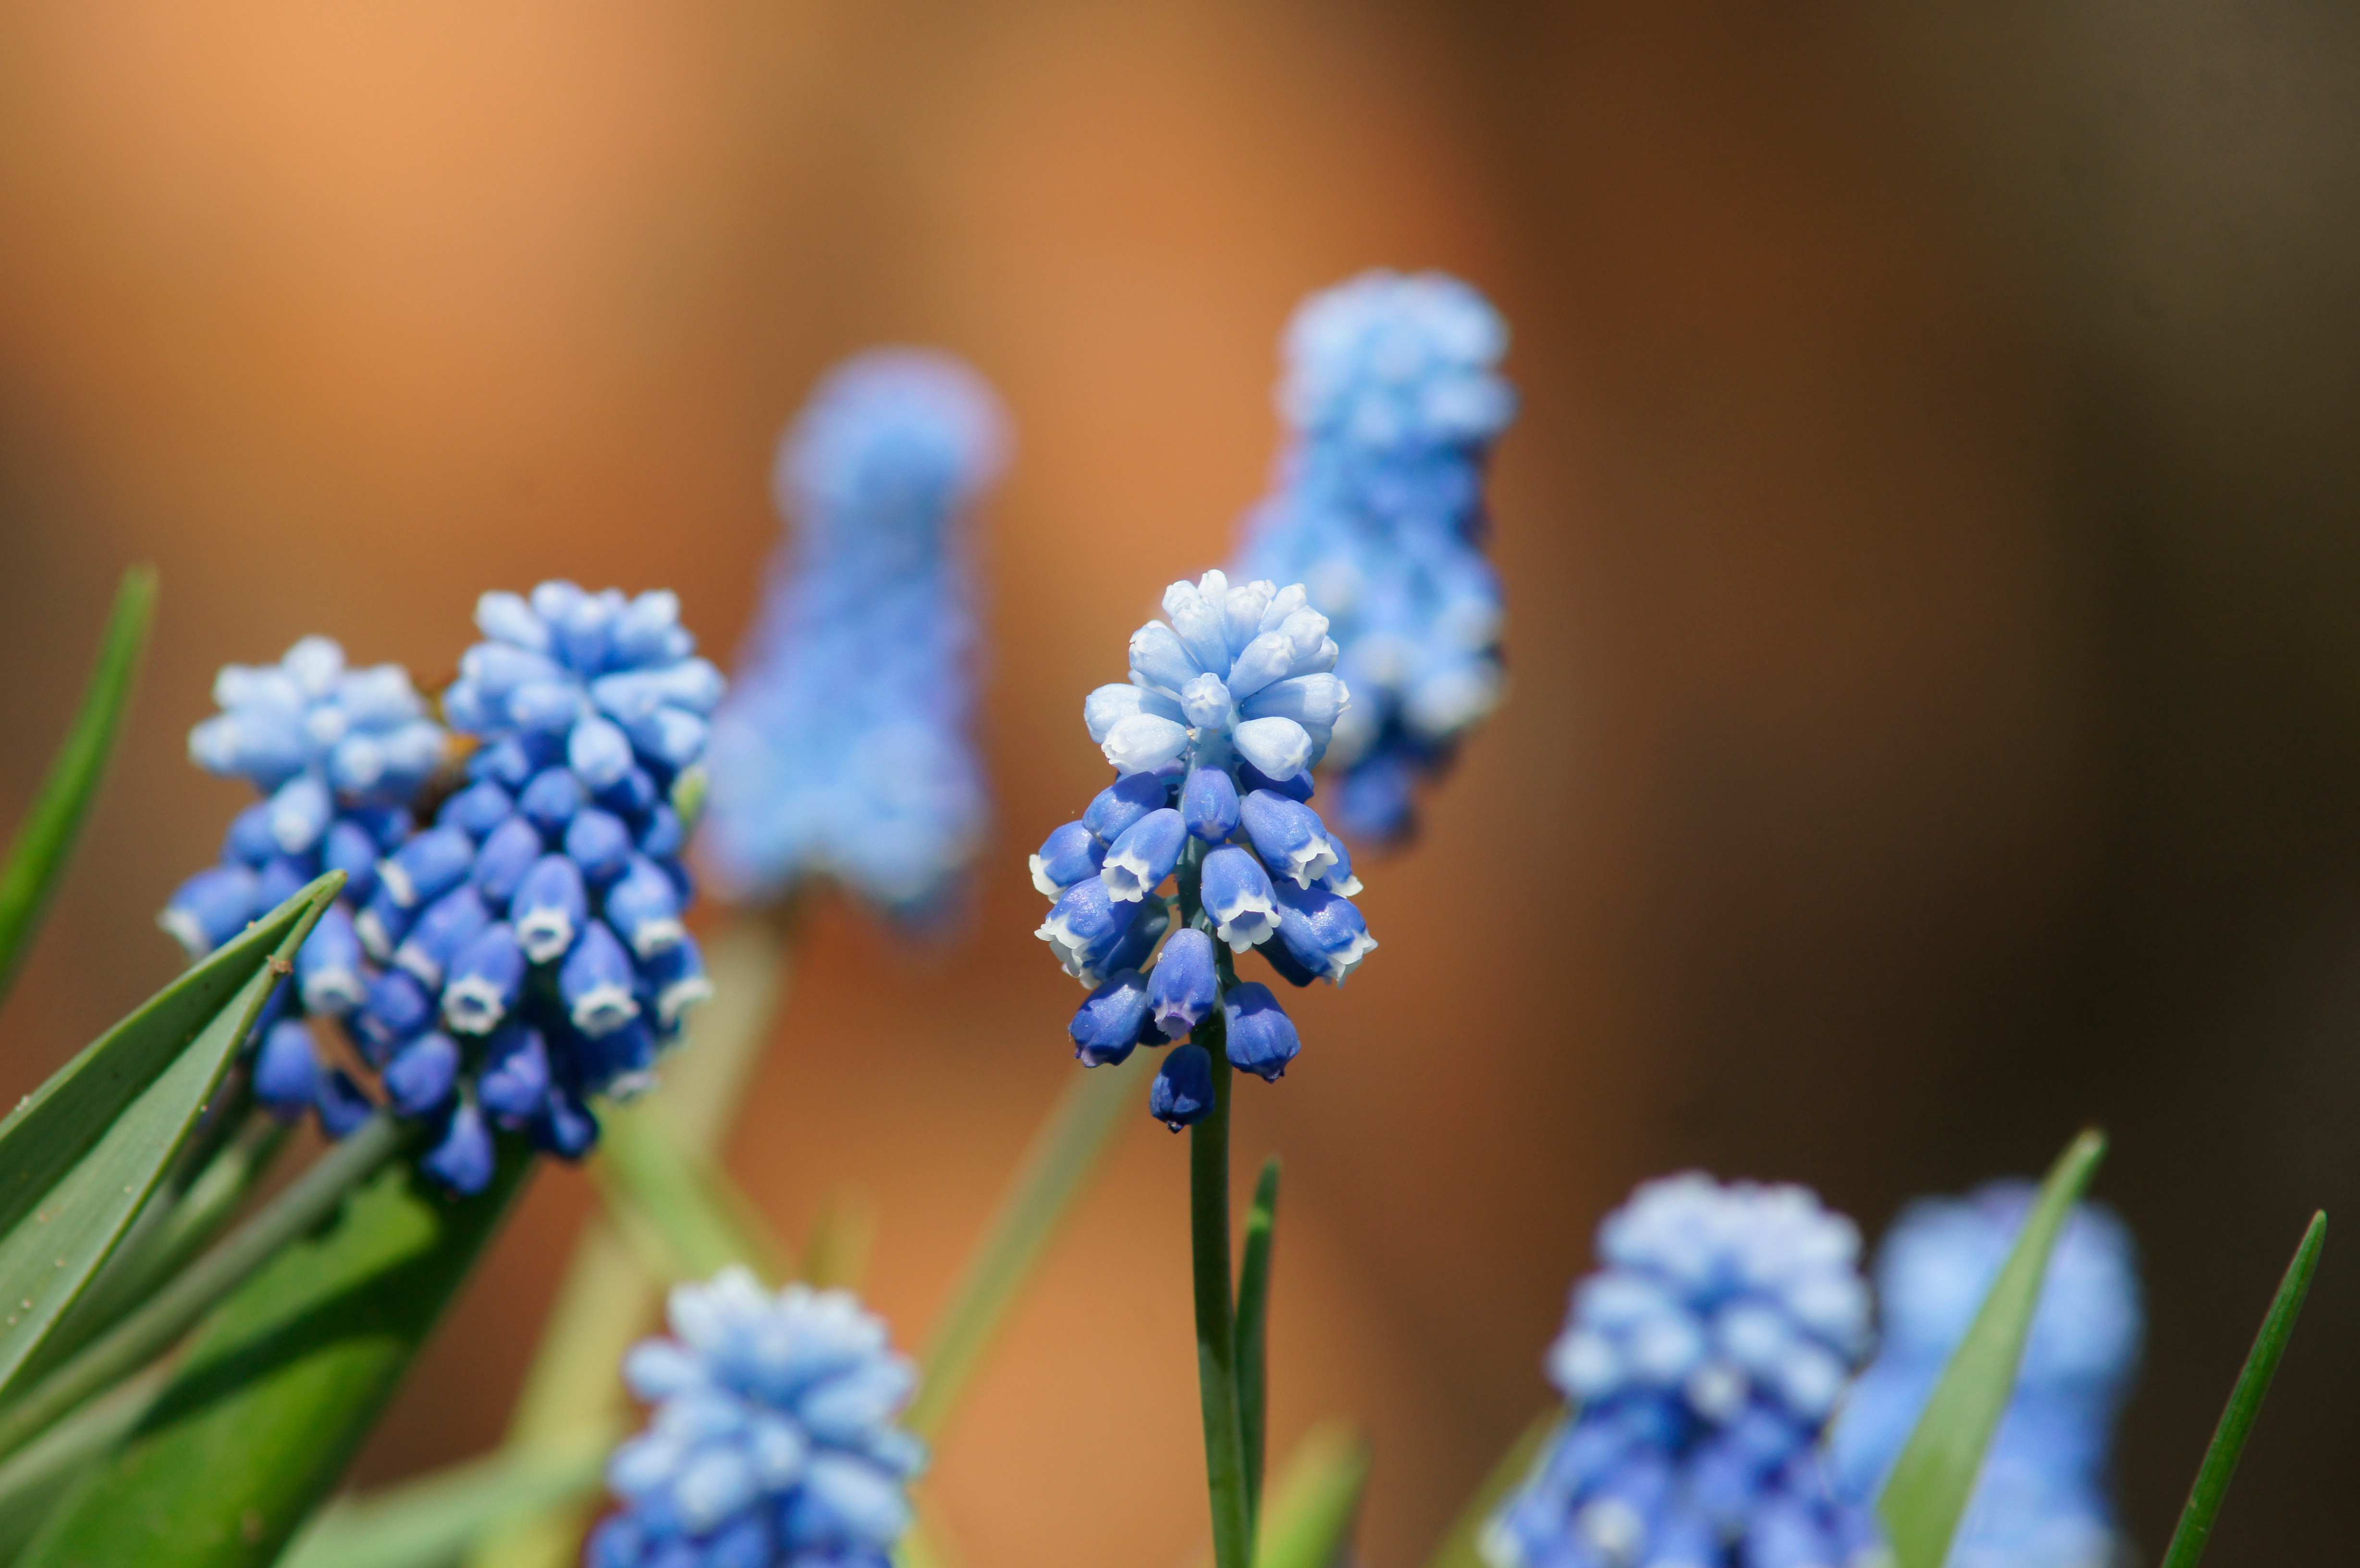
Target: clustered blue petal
{"x":2044,"y":1498}
{"x":1232,"y":699}
{"x":340,"y":756}
{"x":525,"y":950}
{"x":1702,"y":1361}
{"x":773,"y":1444}
{"x":1393,"y":402}
{"x":845,"y":748}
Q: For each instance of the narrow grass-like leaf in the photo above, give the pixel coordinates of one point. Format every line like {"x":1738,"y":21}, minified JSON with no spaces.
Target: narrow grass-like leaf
{"x":428,"y":1523}
{"x":1062,"y":1154}
{"x":837,"y":1256}
{"x":2204,"y":1498}
{"x":81,"y":1154}
{"x":1308,"y":1523}
{"x":36,"y":860}
{"x":608,"y":1300}
{"x":282,"y":1383}
{"x":151,"y":1328}
{"x":1935,"y":1476}
{"x":1253,"y":1329}
{"x":685,"y":1213}
{"x":1460,"y":1547}
{"x":35,"y":1477}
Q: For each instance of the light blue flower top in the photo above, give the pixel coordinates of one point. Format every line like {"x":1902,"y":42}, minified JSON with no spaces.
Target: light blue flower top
{"x":1702,"y":1362}
{"x":2044,"y":1500}
{"x":772,"y":1441}
{"x":847,"y":747}
{"x":1392,"y":400}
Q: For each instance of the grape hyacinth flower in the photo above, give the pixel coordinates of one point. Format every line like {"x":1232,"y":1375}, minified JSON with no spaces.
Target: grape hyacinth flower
{"x":2043,"y":1499}
{"x":1702,"y":1361}
{"x":341,"y":756}
{"x":845,"y":749}
{"x":1393,"y":401}
{"x":772,"y":1444}
{"x":1232,"y":700}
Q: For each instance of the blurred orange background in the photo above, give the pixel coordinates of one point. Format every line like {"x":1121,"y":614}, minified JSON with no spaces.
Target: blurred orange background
{"x":1935,"y":610}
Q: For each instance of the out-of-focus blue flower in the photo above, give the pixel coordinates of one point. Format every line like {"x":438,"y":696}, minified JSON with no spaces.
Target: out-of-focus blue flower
{"x":1702,"y":1362}
{"x":772,"y":1442}
{"x":340,"y":754}
{"x":1392,"y":400}
{"x":2044,"y":1500}
{"x":845,"y":749}
{"x":1232,"y":701}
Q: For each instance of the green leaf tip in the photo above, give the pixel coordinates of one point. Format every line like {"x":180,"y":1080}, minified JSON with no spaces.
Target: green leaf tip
{"x":1316,"y":1500}
{"x":36,"y":860}
{"x":80,"y":1156}
{"x":2194,"y":1530}
{"x":1935,"y":1477}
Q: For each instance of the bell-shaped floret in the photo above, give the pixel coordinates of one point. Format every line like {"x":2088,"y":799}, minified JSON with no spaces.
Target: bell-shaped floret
{"x":1124,"y":802}
{"x":286,"y":1068}
{"x":1323,"y":932}
{"x":1108,"y":1024}
{"x":1065,"y":857}
{"x":1262,"y":1038}
{"x":210,"y":907}
{"x":328,"y":966}
{"x":422,"y":1074}
{"x":1237,"y":896}
{"x":428,"y":866}
{"x":445,"y":926}
{"x":550,"y":909}
{"x":1289,"y":836}
{"x":487,"y":978}
{"x":1138,"y":862}
{"x":1184,"y":984}
{"x":464,"y":1159}
{"x":1182,"y":1092}
{"x":643,"y":906}
{"x":597,"y":982}
{"x":1208,"y":804}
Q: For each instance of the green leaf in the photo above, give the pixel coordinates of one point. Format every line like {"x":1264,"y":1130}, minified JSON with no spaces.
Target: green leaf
{"x":33,"y":1479}
{"x":37,"y":861}
{"x":1461,"y":1548}
{"x":1935,"y":1476}
{"x":1253,"y":1328}
{"x":1065,"y":1151}
{"x":837,"y":1256}
{"x":2204,"y":1498}
{"x":1309,"y":1520}
{"x":428,"y":1523}
{"x":283,"y":1382}
{"x":81,"y":1154}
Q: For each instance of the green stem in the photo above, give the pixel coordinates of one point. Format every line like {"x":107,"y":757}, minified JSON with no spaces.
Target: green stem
{"x":148,"y":1332}
{"x":1217,"y":1371}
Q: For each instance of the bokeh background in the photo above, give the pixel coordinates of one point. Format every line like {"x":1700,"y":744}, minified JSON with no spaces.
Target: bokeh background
{"x":1935,"y":622}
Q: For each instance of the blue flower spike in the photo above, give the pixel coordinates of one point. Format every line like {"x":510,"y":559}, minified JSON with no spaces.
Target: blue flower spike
{"x":1392,"y":401}
{"x":1703,"y":1362}
{"x":493,"y":968}
{"x":845,"y":750}
{"x":1232,"y":700}
{"x":2044,"y":1498}
{"x":772,"y":1440}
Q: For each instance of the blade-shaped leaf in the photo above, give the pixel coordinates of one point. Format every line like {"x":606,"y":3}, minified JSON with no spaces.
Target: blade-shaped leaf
{"x":1308,"y":1523}
{"x":282,"y":1383}
{"x":1460,"y":1548}
{"x":2204,"y":1498}
{"x":682,"y":1212}
{"x":1253,"y":1327}
{"x":1935,"y":1476}
{"x":36,"y":860}
{"x":81,"y":1154}
{"x":428,"y":1523}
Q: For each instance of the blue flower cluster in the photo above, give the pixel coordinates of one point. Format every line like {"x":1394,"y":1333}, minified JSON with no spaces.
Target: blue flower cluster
{"x":1232,"y":699}
{"x":524,"y":952}
{"x":844,"y":747}
{"x":772,"y":1444}
{"x":2043,"y":1499}
{"x":1703,"y":1361}
{"x":1394,"y":402}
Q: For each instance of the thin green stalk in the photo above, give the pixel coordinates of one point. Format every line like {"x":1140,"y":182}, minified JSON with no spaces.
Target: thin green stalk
{"x":36,"y":859}
{"x":609,"y":1299}
{"x":1216,"y":1370}
{"x":1253,"y":1331}
{"x":1067,"y":1148}
{"x":2194,"y":1530}
{"x":150,"y":1330}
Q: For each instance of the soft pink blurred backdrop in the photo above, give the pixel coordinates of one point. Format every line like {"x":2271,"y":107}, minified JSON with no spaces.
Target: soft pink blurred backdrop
{"x":1929,"y":536}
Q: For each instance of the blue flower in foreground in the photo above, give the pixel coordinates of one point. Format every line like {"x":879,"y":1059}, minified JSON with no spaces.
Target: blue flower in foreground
{"x":340,"y":756}
{"x":845,"y":748}
{"x":1702,"y":1362}
{"x":2043,"y":1499}
{"x":1393,"y":401}
{"x":1232,"y":700}
{"x":773,"y":1444}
